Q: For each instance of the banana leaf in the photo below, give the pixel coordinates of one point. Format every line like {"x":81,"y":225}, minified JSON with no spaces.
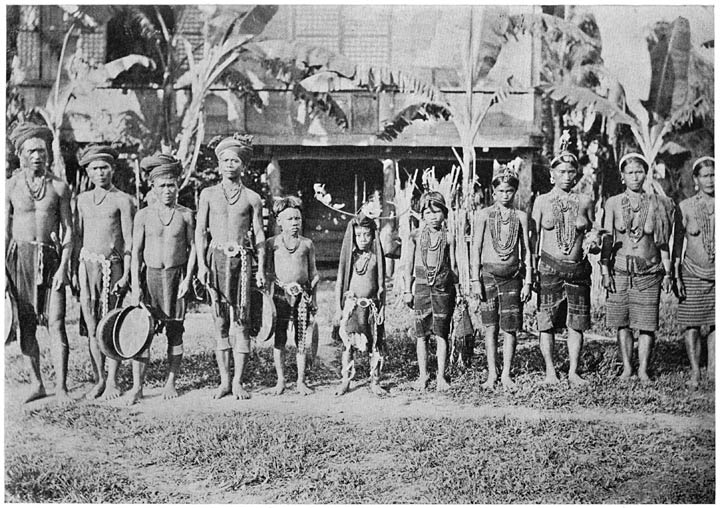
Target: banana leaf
{"x":670,"y":61}
{"x":583,"y":98}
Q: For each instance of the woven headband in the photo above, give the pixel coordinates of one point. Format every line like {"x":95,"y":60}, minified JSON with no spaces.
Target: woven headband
{"x":701,"y":160}
{"x":633,"y":155}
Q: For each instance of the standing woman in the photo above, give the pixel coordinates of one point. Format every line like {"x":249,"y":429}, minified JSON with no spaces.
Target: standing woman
{"x":561,"y":220}
{"x":695,"y":266}
{"x":635,"y":263}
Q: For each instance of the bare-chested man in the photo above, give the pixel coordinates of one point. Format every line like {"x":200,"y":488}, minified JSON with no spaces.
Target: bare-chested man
{"x":38,"y":246}
{"x":561,"y":220}
{"x":164,"y":241}
{"x":104,"y":229}
{"x":291,"y":268}
{"x":232,"y":214}
{"x":360,"y":300}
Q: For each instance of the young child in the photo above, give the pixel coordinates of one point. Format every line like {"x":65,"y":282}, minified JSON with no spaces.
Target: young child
{"x":500,"y":237}
{"x":163,"y":240}
{"x":291,"y":270}
{"x":360,"y":300}
{"x":429,"y":261}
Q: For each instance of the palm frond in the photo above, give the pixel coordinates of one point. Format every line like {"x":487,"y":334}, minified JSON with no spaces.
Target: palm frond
{"x":546,"y":25}
{"x":583,"y":97}
{"x":413,"y":113}
{"x":321,"y":102}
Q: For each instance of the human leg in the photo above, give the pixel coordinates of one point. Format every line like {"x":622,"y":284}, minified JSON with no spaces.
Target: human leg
{"x":625,"y":344}
{"x":97,"y":359}
{"x":645,"y":345}
{"x":221,"y":320}
{"x":138,"y":372}
{"x":711,"y":355}
{"x":509,"y":341}
{"x":301,"y":360}
{"x":376,"y":363}
{"x":692,"y":346}
{"x":112,"y":390}
{"x":547,"y":347}
{"x":31,"y":352}
{"x":174,"y":331}
{"x":240,"y":354}
{"x":60,"y":346}
{"x":575,"y":344}
{"x":348,"y":370}
{"x":442,"y":347}
{"x":491,"y":336}
{"x":421,"y":383}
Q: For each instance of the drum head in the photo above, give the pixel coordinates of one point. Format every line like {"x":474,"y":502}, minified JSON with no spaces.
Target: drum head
{"x":133,"y":331}
{"x":104,"y":333}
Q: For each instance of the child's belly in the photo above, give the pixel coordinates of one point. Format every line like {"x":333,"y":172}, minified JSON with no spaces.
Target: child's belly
{"x":364,"y":287}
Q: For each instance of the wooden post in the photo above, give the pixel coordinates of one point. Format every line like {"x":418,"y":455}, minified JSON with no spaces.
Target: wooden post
{"x":388,"y":228}
{"x":523,"y":198}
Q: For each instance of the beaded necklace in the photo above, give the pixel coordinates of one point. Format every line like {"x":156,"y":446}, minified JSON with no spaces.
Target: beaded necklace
{"x":234,"y":195}
{"x":172,"y":216}
{"x":497,"y":221}
{"x":361,"y":263}
{"x":290,"y":251}
{"x":98,"y":203}
{"x":425,"y":246}
{"x":635,"y":232}
{"x":38,"y":193}
{"x":704,"y":214}
{"x":565,"y":226}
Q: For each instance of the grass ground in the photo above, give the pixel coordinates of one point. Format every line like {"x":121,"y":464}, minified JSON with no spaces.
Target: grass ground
{"x":609,"y":442}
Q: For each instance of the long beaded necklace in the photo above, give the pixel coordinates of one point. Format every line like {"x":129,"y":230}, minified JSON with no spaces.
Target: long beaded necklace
{"x":234,"y":195}
{"x":172,"y":216}
{"x":290,"y":251}
{"x":98,"y":203}
{"x":38,"y":193}
{"x":426,"y":246}
{"x":565,"y":212}
{"x":635,"y":231}
{"x":361,"y":263}
{"x":497,"y":221}
{"x":704,"y":214}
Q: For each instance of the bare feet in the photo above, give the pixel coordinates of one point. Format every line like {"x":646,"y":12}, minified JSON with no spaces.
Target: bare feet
{"x":304,"y":389}
{"x":576,"y":380}
{"x":111,"y":392}
{"x":489,"y":384}
{"x":134,"y":396}
{"x":442,"y":384}
{"x":644,"y":378}
{"x":37,"y":393}
{"x":62,"y":397}
{"x":377,"y":389}
{"x":279,"y":388}
{"x":343,"y":388}
{"x":239,"y":392}
{"x":551,"y":379}
{"x":96,"y":390}
{"x":221,"y":391}
{"x":625,"y":375}
{"x":421,"y":384}
{"x":508,"y":383}
{"x":170,"y":392}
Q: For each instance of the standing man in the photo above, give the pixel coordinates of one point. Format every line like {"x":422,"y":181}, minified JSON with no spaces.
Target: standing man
{"x":104,"y":228}
{"x":38,"y":245}
{"x":232,"y":214}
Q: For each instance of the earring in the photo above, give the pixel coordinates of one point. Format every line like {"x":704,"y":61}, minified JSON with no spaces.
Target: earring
{"x":623,"y":181}
{"x":697,"y":187}
{"x":552,"y":180}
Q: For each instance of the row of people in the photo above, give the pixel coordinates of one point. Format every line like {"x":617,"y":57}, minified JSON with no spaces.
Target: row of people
{"x":156,"y":250}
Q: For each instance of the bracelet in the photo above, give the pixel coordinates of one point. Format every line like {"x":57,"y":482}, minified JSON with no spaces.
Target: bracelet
{"x":474,"y":280}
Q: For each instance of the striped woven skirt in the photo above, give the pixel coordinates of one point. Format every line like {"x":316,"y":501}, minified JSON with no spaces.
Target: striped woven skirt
{"x":631,"y":307}
{"x":698,"y":309}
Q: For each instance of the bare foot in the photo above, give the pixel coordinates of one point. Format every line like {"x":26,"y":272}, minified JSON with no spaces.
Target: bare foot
{"x":134,"y":396}
{"x":37,"y":393}
{"x":489,"y":384}
{"x":442,"y":384}
{"x":239,"y":392}
{"x":111,"y":392}
{"x":625,"y":375}
{"x":576,"y":380}
{"x":96,"y":390}
{"x":644,"y":378}
{"x":508,"y":383}
{"x":551,"y":379}
{"x":377,"y":389}
{"x":63,"y":398}
{"x":221,"y":391}
{"x":421,"y":384}
{"x":279,"y":388}
{"x":170,"y":392}
{"x":304,"y":389}
{"x":343,"y":388}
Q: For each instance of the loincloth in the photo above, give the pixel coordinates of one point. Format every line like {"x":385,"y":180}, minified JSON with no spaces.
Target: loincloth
{"x":502,"y":306}
{"x":564,"y":294}
{"x":230,"y":267}
{"x":362,"y":324}
{"x":161,"y":292}
{"x":97,"y":276}
{"x":294,"y":313}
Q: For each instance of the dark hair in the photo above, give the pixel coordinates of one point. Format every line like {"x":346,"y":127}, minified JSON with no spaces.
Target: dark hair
{"x":633,"y":157}
{"x":433,"y":200}
{"x":564,"y":157}
{"x":511,"y":180}
{"x":287,"y":202}
{"x":702,"y":162}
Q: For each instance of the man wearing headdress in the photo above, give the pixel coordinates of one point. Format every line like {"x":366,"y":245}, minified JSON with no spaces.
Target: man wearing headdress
{"x":38,"y":247}
{"x":360,"y":300}
{"x":164,"y":242}
{"x":232,"y":214}
{"x":104,"y":228}
{"x":500,"y":261}
{"x":694,"y":255}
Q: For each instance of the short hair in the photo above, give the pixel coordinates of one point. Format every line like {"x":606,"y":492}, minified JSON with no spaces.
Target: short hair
{"x":283,"y":204}
{"x":433,"y":199}
{"x":702,"y":162}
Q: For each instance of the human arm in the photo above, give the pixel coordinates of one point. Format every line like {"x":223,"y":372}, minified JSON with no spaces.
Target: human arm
{"x":127,"y":213}
{"x":407,"y":257}
{"x":313,"y":275}
{"x":679,"y":249}
{"x":201,"y":237}
{"x":607,"y":245}
{"x":8,"y":212}
{"x":66,"y":224}
{"x":259,"y":240}
{"x":138,"y":245}
{"x":476,"y":248}
{"x":525,"y":293}
{"x":535,"y":232}
{"x":192,"y":255}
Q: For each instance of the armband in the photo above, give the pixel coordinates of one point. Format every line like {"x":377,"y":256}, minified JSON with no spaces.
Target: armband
{"x":127,"y":253}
